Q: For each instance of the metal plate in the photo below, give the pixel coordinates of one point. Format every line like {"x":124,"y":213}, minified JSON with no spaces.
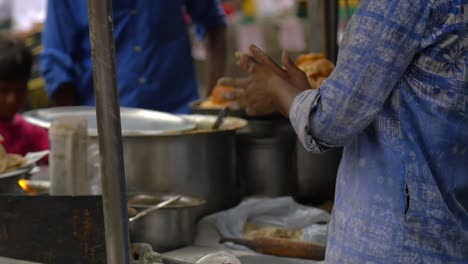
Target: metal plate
{"x":196,"y":108}
{"x":17,"y":172}
{"x":135,"y":122}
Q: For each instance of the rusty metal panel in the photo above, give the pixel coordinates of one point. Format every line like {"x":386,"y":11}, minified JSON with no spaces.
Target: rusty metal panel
{"x":52,"y":229}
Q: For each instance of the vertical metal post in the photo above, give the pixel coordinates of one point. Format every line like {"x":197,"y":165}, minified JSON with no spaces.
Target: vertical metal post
{"x":109,"y":130}
{"x":315,"y":26}
{"x":330,"y":28}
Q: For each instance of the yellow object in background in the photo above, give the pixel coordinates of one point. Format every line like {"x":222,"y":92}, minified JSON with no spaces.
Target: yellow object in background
{"x":351,"y":3}
{"x":37,"y":96}
{"x":249,"y":8}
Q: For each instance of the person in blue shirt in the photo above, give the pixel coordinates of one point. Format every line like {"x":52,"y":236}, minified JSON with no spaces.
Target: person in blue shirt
{"x":397,"y":102}
{"x":155,"y":68}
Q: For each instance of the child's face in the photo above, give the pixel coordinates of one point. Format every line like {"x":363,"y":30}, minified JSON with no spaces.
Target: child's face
{"x":12,"y":98}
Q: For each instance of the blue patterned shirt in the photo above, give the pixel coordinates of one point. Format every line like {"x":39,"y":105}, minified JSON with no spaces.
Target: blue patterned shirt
{"x":397,"y":101}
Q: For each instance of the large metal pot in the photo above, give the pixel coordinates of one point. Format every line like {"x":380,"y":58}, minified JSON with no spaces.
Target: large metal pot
{"x":316,"y":174}
{"x":200,"y":163}
{"x":265,"y":158}
{"x":168,"y":228}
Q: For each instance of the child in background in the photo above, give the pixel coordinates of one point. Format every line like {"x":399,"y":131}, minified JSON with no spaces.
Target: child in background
{"x":19,"y":137}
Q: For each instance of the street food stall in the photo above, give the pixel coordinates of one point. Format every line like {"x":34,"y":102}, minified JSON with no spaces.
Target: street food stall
{"x":125,"y":185}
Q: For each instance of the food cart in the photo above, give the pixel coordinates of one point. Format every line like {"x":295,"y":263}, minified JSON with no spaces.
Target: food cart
{"x":95,"y":228}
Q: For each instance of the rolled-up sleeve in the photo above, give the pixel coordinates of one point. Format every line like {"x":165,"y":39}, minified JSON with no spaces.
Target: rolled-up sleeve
{"x":59,"y":42}
{"x":381,"y":41}
{"x":206,"y":14}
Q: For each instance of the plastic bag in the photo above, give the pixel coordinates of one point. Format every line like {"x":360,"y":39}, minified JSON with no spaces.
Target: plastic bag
{"x":281,"y":212}
{"x":218,"y":258}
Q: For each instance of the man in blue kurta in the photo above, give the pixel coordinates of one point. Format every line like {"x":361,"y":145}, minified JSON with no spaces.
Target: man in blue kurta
{"x":398,"y":104}
{"x":153,"y":53}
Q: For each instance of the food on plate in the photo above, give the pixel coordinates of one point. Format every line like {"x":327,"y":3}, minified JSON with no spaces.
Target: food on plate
{"x":316,"y":67}
{"x":253,"y":231}
{"x":216,"y":99}
{"x":14,"y":160}
{"x":9,"y":162}
{"x":3,"y":159}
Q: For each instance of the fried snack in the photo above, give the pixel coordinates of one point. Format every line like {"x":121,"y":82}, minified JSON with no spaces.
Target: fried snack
{"x":309,"y":57}
{"x":9,"y":162}
{"x":3,"y":159}
{"x":316,"y":67}
{"x":14,"y":160}
{"x":253,"y":231}
{"x":216,"y":99}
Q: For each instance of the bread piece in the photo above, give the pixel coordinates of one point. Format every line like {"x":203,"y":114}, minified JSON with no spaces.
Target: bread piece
{"x":3,"y":159}
{"x":309,"y":57}
{"x":253,"y":231}
{"x":14,"y":160}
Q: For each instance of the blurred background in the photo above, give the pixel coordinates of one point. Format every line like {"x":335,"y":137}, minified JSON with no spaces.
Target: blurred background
{"x":274,"y":25}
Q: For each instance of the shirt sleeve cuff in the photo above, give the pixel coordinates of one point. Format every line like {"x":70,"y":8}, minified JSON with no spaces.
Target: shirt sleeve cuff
{"x":303,"y":106}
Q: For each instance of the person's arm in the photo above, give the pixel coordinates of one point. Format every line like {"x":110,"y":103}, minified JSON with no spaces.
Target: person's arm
{"x":59,"y":42}
{"x":209,"y":17}
{"x":217,"y":48}
{"x":382,"y":39}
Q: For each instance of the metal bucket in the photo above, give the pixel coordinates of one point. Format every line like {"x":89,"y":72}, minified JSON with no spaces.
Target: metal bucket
{"x":265,"y":158}
{"x":200,"y":163}
{"x":316,"y":174}
{"x":168,"y":228}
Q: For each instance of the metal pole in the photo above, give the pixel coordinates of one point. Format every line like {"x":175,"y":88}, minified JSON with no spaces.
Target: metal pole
{"x":315,"y":26}
{"x":109,"y":130}
{"x":330,"y":28}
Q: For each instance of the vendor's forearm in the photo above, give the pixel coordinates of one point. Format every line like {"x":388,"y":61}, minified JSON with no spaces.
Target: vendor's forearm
{"x":285,"y":96}
{"x":217,"y":48}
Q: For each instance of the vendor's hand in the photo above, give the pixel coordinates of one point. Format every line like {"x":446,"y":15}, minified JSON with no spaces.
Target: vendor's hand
{"x":289,"y":71}
{"x":251,"y":94}
{"x":268,"y":88}
{"x":258,"y":94}
{"x":236,"y":97}
{"x":254,"y":94}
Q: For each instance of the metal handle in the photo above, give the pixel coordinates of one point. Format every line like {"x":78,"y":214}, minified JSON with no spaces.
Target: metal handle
{"x":220,"y":119}
{"x":154,"y":208}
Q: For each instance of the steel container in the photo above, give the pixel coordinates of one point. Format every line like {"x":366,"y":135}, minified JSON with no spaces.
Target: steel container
{"x":168,"y":228}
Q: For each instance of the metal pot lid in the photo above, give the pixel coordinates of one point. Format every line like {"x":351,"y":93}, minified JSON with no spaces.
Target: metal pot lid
{"x":135,"y":122}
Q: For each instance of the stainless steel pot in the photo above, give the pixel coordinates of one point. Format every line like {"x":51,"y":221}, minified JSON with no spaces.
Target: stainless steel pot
{"x":200,"y":163}
{"x":265,"y":158}
{"x":316,"y":174}
{"x":168,"y":228}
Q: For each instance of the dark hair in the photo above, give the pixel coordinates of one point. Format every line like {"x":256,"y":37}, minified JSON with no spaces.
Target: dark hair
{"x":15,"y":59}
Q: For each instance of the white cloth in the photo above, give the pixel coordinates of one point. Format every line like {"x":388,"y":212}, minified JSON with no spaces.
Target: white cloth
{"x":26,"y":13}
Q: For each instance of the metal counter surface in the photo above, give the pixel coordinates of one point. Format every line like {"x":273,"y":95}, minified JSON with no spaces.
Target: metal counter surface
{"x":207,"y":243}
{"x":12,"y":261}
{"x":193,"y":253}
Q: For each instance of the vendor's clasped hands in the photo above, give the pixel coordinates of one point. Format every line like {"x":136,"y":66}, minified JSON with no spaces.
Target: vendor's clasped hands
{"x":269,"y":87}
